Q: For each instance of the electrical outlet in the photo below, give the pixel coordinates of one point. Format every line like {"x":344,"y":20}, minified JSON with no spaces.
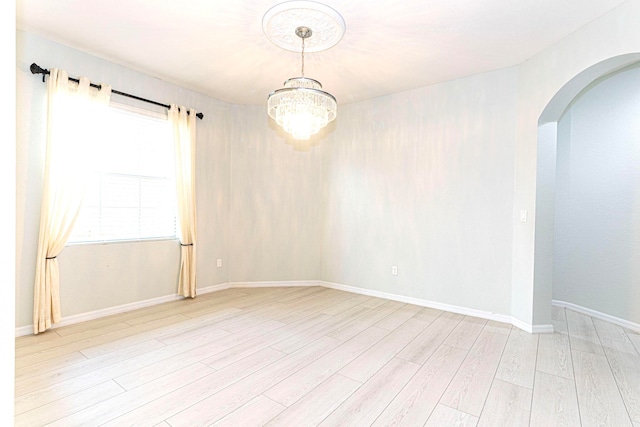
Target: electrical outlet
{"x":523,"y":216}
{"x":219,"y":263}
{"x":394,"y":270}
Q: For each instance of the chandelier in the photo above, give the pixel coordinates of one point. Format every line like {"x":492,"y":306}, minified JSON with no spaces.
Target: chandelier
{"x":301,"y":107}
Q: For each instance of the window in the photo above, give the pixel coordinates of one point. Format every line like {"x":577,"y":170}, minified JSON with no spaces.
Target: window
{"x":131,"y":193}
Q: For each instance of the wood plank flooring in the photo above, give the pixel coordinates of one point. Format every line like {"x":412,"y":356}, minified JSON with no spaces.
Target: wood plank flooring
{"x":308,"y":356}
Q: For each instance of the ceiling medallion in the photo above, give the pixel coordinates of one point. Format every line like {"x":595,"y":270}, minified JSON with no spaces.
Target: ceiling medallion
{"x":301,"y":107}
{"x":281,"y":21}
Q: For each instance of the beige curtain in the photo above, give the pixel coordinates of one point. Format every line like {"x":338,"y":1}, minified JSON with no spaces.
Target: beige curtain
{"x":184,"y":130}
{"x":73,"y":110}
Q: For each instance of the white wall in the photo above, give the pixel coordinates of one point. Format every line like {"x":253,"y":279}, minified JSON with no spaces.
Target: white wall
{"x":260,"y":196}
{"x":379,"y":208}
{"x":424,"y":180}
{"x":7,"y":252}
{"x":540,"y":78}
{"x":101,"y":276}
{"x":597,"y":221}
{"x":430,"y":180}
{"x":277,"y":204}
{"x":544,"y":215}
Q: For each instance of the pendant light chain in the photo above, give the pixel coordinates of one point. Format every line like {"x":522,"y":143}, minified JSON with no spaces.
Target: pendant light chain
{"x":302,"y":56}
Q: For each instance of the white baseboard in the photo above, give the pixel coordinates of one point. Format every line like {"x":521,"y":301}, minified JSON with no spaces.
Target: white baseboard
{"x":598,"y":315}
{"x":213,"y":288}
{"x":275,"y":284}
{"x":92,"y":315}
{"x":536,"y":329}
{"x":77,"y":318}
{"x":27,"y":330}
{"x":532,"y":329}
{"x":541,"y":329}
{"x":421,"y":302}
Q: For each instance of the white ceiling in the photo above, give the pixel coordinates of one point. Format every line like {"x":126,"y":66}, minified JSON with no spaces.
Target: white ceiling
{"x":217,"y":47}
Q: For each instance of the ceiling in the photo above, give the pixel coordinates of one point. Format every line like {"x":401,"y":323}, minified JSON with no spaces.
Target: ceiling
{"x":217,"y":47}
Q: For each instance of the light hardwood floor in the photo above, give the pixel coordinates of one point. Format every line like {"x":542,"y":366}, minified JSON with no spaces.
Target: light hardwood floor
{"x":306,"y":356}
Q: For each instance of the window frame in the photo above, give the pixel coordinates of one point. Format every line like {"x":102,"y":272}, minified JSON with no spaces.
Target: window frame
{"x":162,"y":115}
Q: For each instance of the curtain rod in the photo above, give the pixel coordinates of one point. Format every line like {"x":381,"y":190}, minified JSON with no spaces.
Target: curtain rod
{"x":36,"y":69}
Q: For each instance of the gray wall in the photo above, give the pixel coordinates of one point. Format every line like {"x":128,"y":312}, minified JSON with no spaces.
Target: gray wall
{"x":277,"y":204}
{"x":430,"y":180}
{"x":260,"y":196}
{"x":540,"y":78}
{"x":597,"y":206}
{"x":424,"y":180}
{"x":99,"y":276}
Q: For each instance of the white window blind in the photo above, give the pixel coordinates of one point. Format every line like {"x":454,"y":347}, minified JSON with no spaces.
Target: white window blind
{"x":131,"y":194}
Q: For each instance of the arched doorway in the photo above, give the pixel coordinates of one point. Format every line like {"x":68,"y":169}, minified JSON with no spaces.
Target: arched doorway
{"x":546,"y":178}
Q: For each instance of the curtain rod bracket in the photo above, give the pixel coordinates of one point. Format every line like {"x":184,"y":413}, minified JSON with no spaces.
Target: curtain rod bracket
{"x":36,"y":69}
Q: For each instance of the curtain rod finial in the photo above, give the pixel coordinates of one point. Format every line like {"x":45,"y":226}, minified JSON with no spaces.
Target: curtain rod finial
{"x":36,"y":69}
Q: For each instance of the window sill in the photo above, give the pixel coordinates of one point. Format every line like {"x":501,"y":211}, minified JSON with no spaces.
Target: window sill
{"x":112,"y":242}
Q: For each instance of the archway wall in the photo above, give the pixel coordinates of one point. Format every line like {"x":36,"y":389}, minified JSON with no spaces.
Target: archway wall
{"x":545,"y":221}
{"x":546,"y":199}
{"x":597,"y":208}
{"x":540,"y":79}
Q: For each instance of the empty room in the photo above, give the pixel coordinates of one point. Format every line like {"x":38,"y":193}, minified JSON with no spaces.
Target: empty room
{"x":300,"y":213}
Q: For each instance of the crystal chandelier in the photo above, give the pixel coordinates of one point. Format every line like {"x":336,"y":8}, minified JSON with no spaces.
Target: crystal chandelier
{"x":301,"y":107}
